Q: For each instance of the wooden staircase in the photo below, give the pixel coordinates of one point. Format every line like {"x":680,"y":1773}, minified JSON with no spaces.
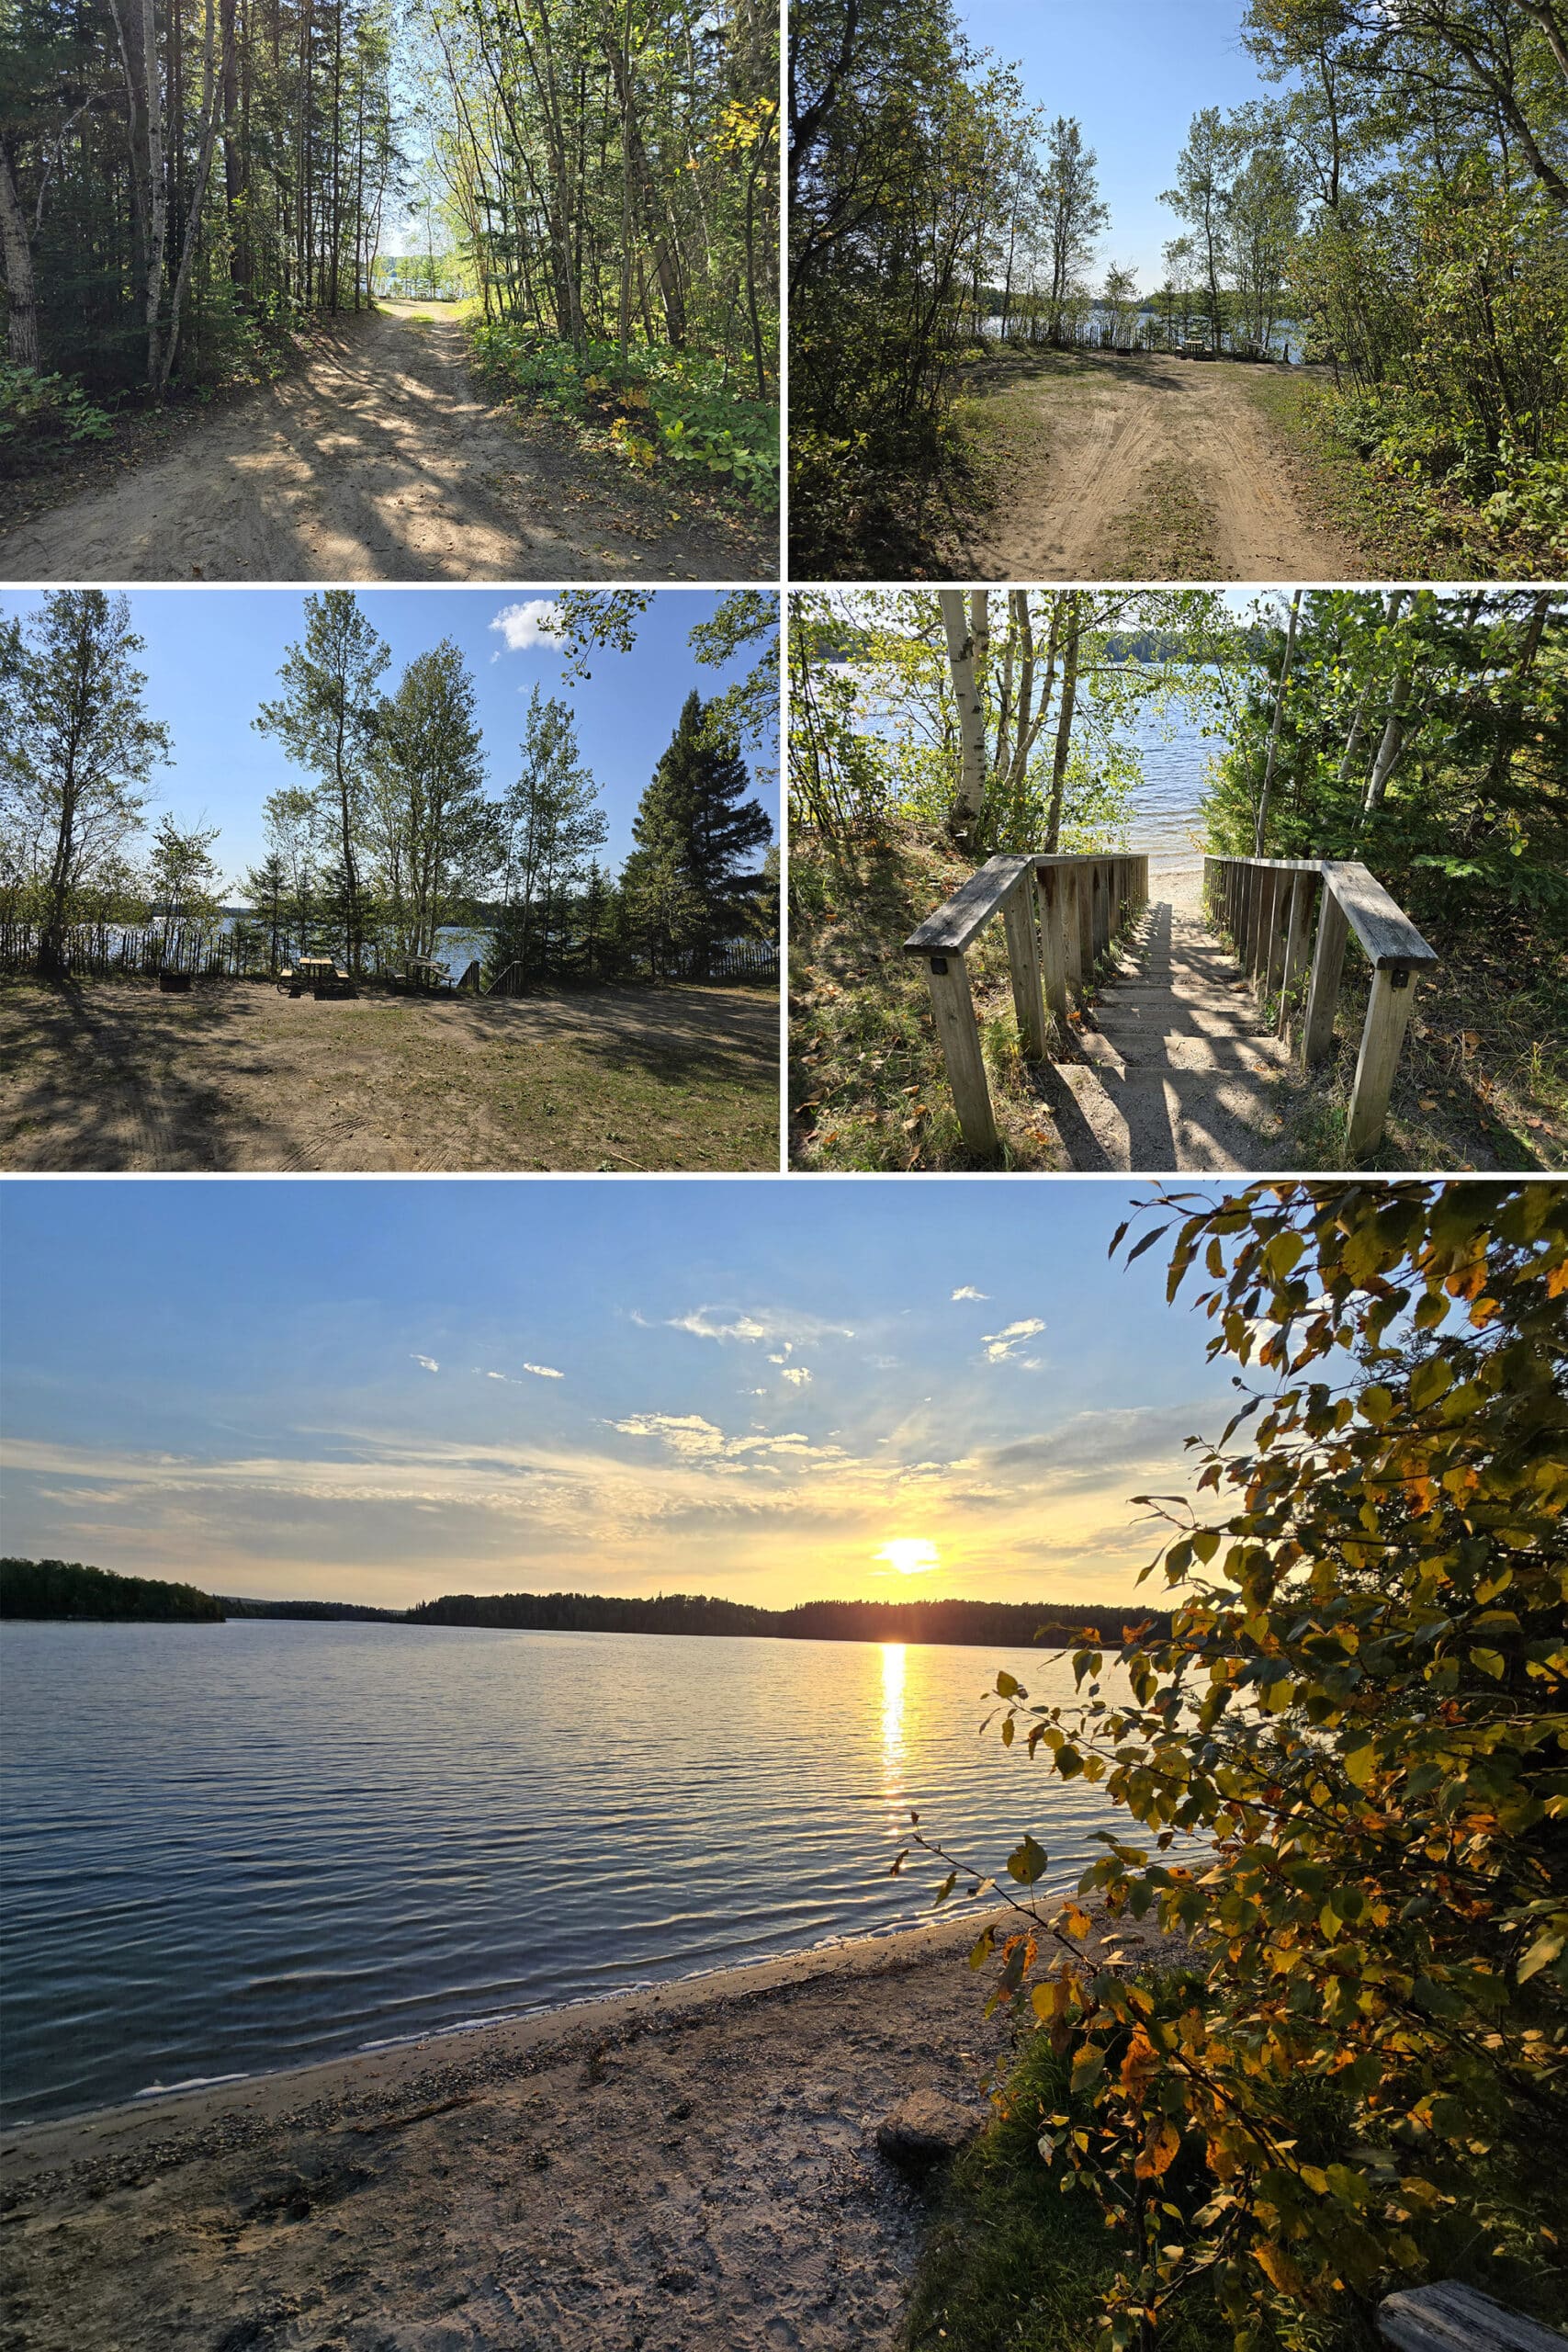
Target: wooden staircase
{"x":1158,"y":1035}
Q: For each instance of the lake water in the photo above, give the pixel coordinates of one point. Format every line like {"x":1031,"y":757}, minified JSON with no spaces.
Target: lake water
{"x":233,"y":1848}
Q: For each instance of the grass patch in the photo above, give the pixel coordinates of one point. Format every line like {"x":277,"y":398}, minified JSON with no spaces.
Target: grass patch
{"x":868,"y":1089}
{"x":1408,"y":529}
{"x":1169,"y":533}
{"x":1482,"y":1081}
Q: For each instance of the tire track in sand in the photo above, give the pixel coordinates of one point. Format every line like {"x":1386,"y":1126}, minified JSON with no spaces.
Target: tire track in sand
{"x":1090,"y":441}
{"x":378,"y":459}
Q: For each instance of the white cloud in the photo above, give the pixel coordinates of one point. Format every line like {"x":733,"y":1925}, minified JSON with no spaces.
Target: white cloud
{"x":783,"y":1357}
{"x":796,"y":1375}
{"x":543,"y":1371}
{"x":526,"y":626}
{"x":969,"y":1290}
{"x":1002,"y":1347}
{"x":785,"y":1331}
{"x":428,"y":1362}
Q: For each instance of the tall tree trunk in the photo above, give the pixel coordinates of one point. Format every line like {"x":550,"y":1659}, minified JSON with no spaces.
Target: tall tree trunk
{"x":1262,"y":830}
{"x":962,"y":665}
{"x":21,"y":306}
{"x":1065,"y":720}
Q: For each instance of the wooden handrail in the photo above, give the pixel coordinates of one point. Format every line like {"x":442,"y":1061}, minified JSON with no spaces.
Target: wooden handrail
{"x":1266,"y":904}
{"x":1061,"y":915}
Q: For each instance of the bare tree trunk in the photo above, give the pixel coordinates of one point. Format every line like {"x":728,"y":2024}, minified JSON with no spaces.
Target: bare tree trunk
{"x":211,"y":87}
{"x":1065,"y":720}
{"x":21,"y":305}
{"x":1262,"y":830}
{"x":1393,"y":738}
{"x":157,"y":192}
{"x":960,"y":661}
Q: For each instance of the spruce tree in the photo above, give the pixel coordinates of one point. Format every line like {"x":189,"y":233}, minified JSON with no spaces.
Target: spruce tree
{"x":693,"y":826}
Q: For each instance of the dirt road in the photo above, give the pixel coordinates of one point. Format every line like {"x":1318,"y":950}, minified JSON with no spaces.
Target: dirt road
{"x":112,"y":1075}
{"x":378,"y":459}
{"x":1143,"y":467}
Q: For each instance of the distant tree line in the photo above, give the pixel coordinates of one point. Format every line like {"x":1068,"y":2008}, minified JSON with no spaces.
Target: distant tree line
{"x":67,"y":1589}
{"x":391,"y":837}
{"x":959,"y":1623}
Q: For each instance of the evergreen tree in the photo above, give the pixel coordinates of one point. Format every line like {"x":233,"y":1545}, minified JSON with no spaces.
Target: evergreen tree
{"x":692,"y":828}
{"x":552,"y":826}
{"x":267,"y":888}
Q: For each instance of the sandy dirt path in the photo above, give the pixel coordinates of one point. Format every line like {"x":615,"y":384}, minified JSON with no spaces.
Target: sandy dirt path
{"x":691,"y":2170}
{"x":379,"y":458}
{"x":111,"y":1076}
{"x":1098,"y":443}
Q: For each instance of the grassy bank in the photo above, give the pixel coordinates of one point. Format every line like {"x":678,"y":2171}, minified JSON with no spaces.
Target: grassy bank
{"x":1409,"y":527}
{"x":868,"y":1085}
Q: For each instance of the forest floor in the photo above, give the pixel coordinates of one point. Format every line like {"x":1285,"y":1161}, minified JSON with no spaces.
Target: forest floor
{"x":113,"y":1075}
{"x":1483,"y":1083}
{"x":666,"y":2171}
{"x":377,"y":456}
{"x":1100,"y":464}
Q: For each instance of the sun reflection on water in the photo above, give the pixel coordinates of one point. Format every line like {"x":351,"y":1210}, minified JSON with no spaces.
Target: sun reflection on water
{"x":893,"y":1711}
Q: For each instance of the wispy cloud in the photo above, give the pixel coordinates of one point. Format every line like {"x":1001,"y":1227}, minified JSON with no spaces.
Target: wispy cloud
{"x":753,"y":1324}
{"x":543,"y":1371}
{"x":526,"y":626}
{"x":796,"y":1375}
{"x":428,"y":1362}
{"x":967,"y":1290}
{"x":1005,"y":1346}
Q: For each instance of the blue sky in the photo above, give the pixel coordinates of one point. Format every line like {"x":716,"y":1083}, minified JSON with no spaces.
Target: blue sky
{"x":1134,"y":73}
{"x":377,"y":1392}
{"x":212,"y":656}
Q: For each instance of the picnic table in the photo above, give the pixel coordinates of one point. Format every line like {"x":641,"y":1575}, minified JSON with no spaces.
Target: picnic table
{"x":314,"y":972}
{"x":421,"y":972}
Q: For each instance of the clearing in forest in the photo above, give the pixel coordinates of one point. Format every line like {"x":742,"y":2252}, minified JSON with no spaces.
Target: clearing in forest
{"x":1123,"y":466}
{"x":379,"y":458}
{"x":112,"y":1076}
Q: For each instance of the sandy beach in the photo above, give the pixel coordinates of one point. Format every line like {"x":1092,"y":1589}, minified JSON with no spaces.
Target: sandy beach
{"x":685,"y":2167}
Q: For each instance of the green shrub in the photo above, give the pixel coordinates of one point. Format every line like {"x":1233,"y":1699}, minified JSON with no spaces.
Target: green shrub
{"x":659,"y":404}
{"x":39,"y":413}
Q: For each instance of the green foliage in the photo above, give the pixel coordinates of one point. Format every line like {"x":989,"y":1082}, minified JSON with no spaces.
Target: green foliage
{"x":685,"y":889}
{"x":1361,"y":1714}
{"x":39,"y":413}
{"x":658,"y":403}
{"x":66,"y":1589}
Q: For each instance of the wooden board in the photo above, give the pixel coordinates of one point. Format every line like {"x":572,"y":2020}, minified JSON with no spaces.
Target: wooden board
{"x":1386,"y":934}
{"x":1450,"y":2318}
{"x":961,"y":918}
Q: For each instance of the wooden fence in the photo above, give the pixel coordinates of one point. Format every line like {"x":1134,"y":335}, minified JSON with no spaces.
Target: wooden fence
{"x":1060,"y":915}
{"x":1289,"y":922}
{"x":104,"y":951}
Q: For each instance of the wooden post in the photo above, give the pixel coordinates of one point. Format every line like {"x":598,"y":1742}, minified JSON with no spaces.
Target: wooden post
{"x":947,"y":977}
{"x":1055,"y":885}
{"x":1074,"y":924}
{"x":1388,"y":1017}
{"x":1021,"y":914}
{"x":1303,"y":887}
{"x":1099,"y":918}
{"x":1279,"y":915}
{"x":1328,"y":964}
